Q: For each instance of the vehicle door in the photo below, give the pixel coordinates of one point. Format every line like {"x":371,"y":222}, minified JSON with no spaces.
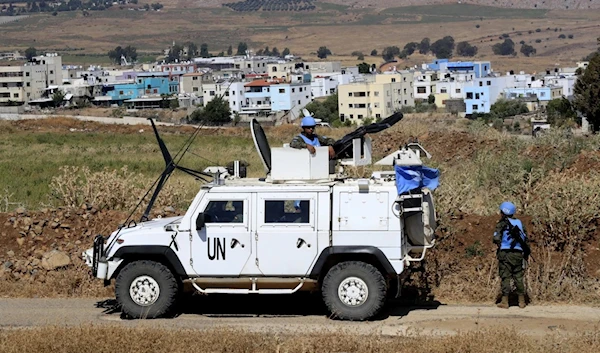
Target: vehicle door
{"x":286,"y":233}
{"x":224,"y":243}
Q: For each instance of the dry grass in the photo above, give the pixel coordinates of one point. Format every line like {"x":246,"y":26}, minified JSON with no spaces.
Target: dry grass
{"x":100,"y":339}
{"x":346,"y":31}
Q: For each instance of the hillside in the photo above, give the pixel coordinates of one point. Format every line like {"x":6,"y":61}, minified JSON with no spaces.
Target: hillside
{"x":521,"y":4}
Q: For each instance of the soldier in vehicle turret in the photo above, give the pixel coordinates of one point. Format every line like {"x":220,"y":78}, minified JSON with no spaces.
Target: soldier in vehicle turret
{"x":309,"y":139}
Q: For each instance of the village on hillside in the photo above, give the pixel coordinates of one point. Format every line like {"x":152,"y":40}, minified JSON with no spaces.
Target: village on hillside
{"x":275,"y":89}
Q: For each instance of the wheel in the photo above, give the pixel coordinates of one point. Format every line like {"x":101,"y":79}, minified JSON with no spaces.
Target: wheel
{"x":354,"y":290}
{"x":146,"y":290}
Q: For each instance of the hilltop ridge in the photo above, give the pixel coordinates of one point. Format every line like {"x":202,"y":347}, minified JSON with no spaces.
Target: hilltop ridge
{"x":516,"y":4}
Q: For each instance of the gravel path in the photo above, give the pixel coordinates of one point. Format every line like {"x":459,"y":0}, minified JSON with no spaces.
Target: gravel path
{"x":440,"y":320}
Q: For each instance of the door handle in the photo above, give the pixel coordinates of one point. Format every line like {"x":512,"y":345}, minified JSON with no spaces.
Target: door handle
{"x":301,"y":241}
{"x":235,"y":242}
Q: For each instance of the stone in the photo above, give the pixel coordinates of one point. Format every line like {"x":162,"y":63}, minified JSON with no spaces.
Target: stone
{"x":54,"y":225}
{"x":169,"y":209}
{"x":26,"y":221}
{"x":65,"y":226}
{"x":10,"y":253}
{"x":20,"y":241}
{"x":55,"y":259}
{"x":21,"y":210}
{"x":78,"y":242}
{"x":38,"y":229}
{"x":8,"y":265}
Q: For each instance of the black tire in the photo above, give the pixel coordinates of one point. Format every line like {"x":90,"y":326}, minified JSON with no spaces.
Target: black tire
{"x":375,"y":283}
{"x":168,"y":289}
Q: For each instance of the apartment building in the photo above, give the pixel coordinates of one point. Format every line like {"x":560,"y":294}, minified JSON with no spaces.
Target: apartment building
{"x":23,"y":83}
{"x":377,"y":98}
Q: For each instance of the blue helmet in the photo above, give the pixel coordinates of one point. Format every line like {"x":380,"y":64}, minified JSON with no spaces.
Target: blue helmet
{"x":308,"y":121}
{"x":508,"y":208}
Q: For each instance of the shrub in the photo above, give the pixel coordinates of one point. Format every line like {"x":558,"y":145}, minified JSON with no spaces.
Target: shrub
{"x":107,"y":189}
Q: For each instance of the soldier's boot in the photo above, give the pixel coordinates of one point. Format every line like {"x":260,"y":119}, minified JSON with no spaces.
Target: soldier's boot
{"x":522,"y":301}
{"x":504,"y":303}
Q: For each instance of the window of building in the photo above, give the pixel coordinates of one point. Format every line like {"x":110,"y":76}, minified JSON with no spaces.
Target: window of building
{"x":458,"y":90}
{"x":15,"y":95}
{"x":351,"y":116}
{"x":287,"y":211}
{"x":51,"y":81}
{"x":405,"y":91}
{"x":350,"y":105}
{"x":349,"y":94}
{"x":195,"y":89}
{"x":27,"y":74}
{"x":489,"y":83}
{"x":376,"y":105}
{"x":474,"y":106}
{"x":195,"y":78}
{"x":282,"y":90}
{"x":480,"y":83}
{"x":224,"y":212}
{"x":120,"y":92}
{"x":51,"y":72}
{"x":226,"y":93}
{"x":274,"y":69}
{"x":421,"y":90}
{"x":389,"y":104}
{"x":377,"y":116}
{"x":469,"y":95}
{"x":5,"y":85}
{"x":376,"y":93}
{"x":4,"y":95}
{"x":362,"y":105}
{"x":155,"y":90}
{"x":293,"y":90}
{"x":299,"y":102}
{"x":360,"y":94}
{"x":212,"y":93}
{"x":393,"y":79}
{"x":405,"y":102}
{"x":28,"y":84}
{"x":476,"y":95}
{"x":542,"y":94}
{"x":359,"y":116}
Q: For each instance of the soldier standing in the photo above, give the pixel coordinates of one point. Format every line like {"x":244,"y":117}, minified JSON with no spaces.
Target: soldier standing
{"x":513,"y":250}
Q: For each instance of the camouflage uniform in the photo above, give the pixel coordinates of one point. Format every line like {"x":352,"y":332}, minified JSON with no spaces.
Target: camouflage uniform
{"x":298,"y":142}
{"x":510,"y":262}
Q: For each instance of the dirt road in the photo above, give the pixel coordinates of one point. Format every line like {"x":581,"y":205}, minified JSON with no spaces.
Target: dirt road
{"x":257,"y":314}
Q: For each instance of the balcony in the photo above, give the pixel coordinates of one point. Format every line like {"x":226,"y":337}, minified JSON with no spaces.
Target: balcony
{"x":255,"y":107}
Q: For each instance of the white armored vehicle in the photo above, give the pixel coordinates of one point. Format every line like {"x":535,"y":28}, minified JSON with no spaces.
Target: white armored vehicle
{"x":304,"y":227}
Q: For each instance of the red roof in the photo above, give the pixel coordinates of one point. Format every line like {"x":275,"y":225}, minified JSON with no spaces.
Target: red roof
{"x":257,"y":83}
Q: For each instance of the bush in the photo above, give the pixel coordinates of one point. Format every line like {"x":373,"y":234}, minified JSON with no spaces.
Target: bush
{"x":570,"y":36}
{"x":538,"y":40}
{"x":505,"y":48}
{"x":528,"y":50}
{"x":108,"y":189}
{"x":466,"y":49}
{"x":562,"y":36}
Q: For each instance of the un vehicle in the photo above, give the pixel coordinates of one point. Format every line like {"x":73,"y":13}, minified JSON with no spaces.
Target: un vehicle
{"x":306,"y":226}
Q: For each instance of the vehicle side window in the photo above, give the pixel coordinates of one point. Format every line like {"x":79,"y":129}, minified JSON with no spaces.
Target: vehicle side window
{"x":287,"y":211}
{"x":224,"y":212}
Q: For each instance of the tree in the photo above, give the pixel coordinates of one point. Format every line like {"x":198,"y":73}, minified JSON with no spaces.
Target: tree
{"x":326,"y":110}
{"x":285,"y":52}
{"x":466,"y":49}
{"x":374,"y":52}
{"x":587,"y":92}
{"x":323,"y":52}
{"x":560,"y":112}
{"x":157,"y":6}
{"x":528,"y":50}
{"x":364,"y":68}
{"x":242,"y":47}
{"x":229,"y":51}
{"x":216,"y":112}
{"x":57,"y":98}
{"x":30,"y":53}
{"x":389,"y":53}
{"x":504,"y":108}
{"x":442,"y":48}
{"x":204,"y":50}
{"x":410,"y":48}
{"x":192,"y":50}
{"x":175,"y":53}
{"x":431,"y":99}
{"x":505,"y":48}
{"x":424,"y":46}
{"x":275,"y":52}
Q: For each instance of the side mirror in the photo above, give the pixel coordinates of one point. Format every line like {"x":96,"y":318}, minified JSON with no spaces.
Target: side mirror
{"x":200,"y":222}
